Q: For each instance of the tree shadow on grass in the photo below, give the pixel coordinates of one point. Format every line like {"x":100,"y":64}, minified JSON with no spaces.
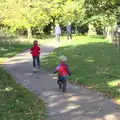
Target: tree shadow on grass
{"x":44,"y":37}
{"x":95,"y":65}
{"x":78,"y":103}
{"x":10,"y":47}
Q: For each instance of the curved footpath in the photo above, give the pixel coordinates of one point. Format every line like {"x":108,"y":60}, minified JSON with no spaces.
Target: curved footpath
{"x":78,"y":103}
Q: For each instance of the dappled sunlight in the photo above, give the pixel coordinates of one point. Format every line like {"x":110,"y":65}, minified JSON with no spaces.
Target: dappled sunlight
{"x":93,"y":63}
{"x":49,"y":93}
{"x":2,"y":60}
{"x":23,"y":57}
{"x":83,"y":104}
{"x":53,"y":104}
{"x":113,"y":83}
{"x":76,"y":106}
{"x":74,"y":98}
{"x":109,"y":117}
{"x":55,"y":78}
{"x":69,"y":94}
{"x":56,"y":103}
{"x":78,"y":102}
{"x":7,"y":89}
{"x":9,"y":54}
{"x":54,"y":97}
{"x":70,"y":107}
{"x":98,"y":119}
{"x":80,"y":112}
{"x":89,"y":60}
{"x":117,"y":101}
{"x":16,"y":62}
{"x":3,"y":49}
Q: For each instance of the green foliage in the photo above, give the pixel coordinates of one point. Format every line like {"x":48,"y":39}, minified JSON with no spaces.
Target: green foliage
{"x":24,"y":14}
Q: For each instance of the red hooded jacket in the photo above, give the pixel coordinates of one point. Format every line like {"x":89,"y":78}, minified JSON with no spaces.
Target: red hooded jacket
{"x":35,"y":50}
{"x":62,"y":70}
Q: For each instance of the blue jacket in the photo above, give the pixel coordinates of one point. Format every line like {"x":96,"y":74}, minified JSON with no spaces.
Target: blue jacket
{"x":68,"y":28}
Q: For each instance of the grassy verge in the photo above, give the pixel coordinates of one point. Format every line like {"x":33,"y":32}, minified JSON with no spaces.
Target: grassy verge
{"x":16,"y":102}
{"x":93,"y":62}
{"x":11,"y":46}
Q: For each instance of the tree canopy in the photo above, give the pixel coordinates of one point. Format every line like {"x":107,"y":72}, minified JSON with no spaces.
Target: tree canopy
{"x":37,"y":14}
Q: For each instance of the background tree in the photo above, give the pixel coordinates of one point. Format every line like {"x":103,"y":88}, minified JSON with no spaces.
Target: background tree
{"x":40,"y":16}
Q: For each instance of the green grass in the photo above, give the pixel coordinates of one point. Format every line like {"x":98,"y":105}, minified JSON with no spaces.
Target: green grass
{"x":16,"y":102}
{"x":93,"y":62}
{"x":11,"y":46}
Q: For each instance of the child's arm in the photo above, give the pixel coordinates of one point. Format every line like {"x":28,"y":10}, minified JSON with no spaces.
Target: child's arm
{"x":67,"y":69}
{"x":31,"y":49}
{"x":56,"y":69}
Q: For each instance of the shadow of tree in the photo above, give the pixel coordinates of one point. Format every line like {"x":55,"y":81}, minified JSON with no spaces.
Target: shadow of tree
{"x":78,"y":103}
{"x":10,"y":46}
{"x":95,"y":65}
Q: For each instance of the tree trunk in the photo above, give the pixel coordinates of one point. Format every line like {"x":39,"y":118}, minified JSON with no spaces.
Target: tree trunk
{"x":29,"y":32}
{"x":104,"y":32}
{"x":76,"y":30}
{"x":109,"y":34}
{"x":52,"y":25}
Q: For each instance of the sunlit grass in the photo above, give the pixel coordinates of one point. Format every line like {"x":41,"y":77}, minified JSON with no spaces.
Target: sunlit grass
{"x":11,"y":47}
{"x":16,"y":102}
{"x":114,"y":83}
{"x":93,"y":61}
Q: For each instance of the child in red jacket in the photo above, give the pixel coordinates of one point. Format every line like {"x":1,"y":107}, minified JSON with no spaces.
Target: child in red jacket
{"x":35,"y":51}
{"x":63,"y":73}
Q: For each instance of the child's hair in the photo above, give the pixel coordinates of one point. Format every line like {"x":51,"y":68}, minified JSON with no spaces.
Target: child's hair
{"x":35,"y":42}
{"x":63,"y":58}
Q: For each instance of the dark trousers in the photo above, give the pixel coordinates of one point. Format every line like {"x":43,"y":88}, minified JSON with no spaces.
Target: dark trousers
{"x":69,"y":36}
{"x":36,"y":60}
{"x":62,"y":82}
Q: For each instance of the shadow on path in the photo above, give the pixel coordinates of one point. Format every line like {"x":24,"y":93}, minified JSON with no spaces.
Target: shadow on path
{"x":78,"y":103}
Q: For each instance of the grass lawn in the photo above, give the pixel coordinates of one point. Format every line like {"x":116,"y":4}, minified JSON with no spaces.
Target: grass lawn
{"x":16,"y":102}
{"x":93,"y":61}
{"x":8,"y":50}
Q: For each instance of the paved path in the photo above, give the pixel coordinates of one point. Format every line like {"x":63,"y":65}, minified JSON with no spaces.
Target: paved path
{"x":78,"y":103}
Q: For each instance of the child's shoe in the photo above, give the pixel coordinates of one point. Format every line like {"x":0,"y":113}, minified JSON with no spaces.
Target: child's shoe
{"x":34,"y":70}
{"x":64,"y":90}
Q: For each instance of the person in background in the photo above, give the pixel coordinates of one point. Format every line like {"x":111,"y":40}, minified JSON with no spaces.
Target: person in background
{"x":35,"y":51}
{"x":57,"y":32}
{"x":69,"y":32}
{"x":63,"y":73}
